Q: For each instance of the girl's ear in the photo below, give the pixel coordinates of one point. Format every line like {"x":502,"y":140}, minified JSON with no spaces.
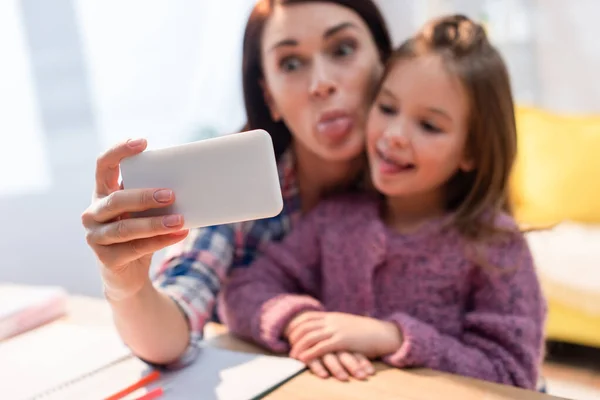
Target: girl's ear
{"x":275,"y":116}
{"x":467,"y":164}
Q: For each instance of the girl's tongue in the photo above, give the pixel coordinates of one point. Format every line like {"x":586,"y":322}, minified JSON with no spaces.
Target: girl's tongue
{"x":390,"y":166}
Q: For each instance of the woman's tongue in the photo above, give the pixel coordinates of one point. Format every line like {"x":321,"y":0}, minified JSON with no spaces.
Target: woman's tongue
{"x":335,"y":128}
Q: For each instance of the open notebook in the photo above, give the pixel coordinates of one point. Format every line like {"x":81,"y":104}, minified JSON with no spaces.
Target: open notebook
{"x":220,"y":374}
{"x":216,"y":374}
{"x":54,"y":356}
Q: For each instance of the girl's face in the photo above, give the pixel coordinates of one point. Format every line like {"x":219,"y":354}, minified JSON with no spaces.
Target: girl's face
{"x":417,"y":129}
{"x":320,"y":64}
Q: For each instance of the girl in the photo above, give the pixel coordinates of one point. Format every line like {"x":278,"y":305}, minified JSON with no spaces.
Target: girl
{"x":310,"y":68}
{"x":433,"y":272}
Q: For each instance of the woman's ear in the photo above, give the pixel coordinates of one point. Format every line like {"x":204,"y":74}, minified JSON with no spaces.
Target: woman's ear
{"x":275,"y":116}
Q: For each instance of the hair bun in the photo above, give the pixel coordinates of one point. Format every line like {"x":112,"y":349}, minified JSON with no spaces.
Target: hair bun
{"x":456,"y":32}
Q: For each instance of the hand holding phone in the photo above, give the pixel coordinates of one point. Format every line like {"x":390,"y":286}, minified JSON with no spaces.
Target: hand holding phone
{"x":216,"y":181}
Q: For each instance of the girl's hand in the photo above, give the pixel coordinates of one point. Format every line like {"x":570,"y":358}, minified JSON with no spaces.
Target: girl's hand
{"x":341,"y":366}
{"x":123,"y":245}
{"x":314,"y":334}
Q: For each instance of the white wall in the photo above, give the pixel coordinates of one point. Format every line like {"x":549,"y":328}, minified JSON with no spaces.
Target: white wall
{"x":23,"y":157}
{"x":149,"y":70}
{"x":159,"y":69}
{"x":568,"y":55}
{"x":550,"y":46}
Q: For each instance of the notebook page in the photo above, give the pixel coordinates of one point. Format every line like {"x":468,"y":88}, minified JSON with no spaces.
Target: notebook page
{"x":54,"y":355}
{"x":220,"y":374}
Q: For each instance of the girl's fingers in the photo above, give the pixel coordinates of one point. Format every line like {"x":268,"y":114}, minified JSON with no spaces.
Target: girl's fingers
{"x":365,"y":364}
{"x":333,"y":364}
{"x":303,"y":329}
{"x":308,"y":341}
{"x":302,"y":319}
{"x":318,"y":350}
{"x":318,"y":369}
{"x":352,"y":364}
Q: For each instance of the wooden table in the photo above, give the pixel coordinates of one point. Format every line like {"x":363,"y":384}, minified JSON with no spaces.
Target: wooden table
{"x":388,"y":383}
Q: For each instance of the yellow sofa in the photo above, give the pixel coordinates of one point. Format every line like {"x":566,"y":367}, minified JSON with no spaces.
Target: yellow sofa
{"x":556,"y":184}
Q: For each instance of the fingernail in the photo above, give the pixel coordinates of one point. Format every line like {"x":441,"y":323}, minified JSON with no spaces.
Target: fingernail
{"x":371,"y":370}
{"x":172,"y":221}
{"x":360,"y":375}
{"x":343,"y":377}
{"x":135,"y":142}
{"x":163,"y":195}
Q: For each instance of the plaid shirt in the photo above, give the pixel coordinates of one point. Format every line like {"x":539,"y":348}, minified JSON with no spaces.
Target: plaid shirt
{"x":194,"y":269}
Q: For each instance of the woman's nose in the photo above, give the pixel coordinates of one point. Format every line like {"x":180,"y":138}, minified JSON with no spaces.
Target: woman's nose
{"x":322,"y":84}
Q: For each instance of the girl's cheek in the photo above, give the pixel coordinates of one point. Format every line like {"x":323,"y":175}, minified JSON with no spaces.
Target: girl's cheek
{"x":371,"y":124}
{"x":375,"y":127}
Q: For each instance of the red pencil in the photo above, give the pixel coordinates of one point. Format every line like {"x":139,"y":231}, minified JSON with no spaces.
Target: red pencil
{"x":153,"y":394}
{"x":151,"y":377}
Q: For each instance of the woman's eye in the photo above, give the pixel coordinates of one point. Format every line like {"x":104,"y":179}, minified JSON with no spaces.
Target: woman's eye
{"x":387,"y":109}
{"x":429,"y":127}
{"x":290,"y":64}
{"x":344,"y":49}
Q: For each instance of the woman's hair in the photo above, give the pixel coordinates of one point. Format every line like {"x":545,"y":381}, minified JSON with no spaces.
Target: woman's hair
{"x":257,"y":111}
{"x":477,"y":197}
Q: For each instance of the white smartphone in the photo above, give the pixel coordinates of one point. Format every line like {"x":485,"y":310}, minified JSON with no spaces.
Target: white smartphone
{"x":216,"y":181}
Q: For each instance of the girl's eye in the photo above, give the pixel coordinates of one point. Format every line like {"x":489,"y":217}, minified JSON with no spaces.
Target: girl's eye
{"x":429,"y":127}
{"x":387,"y":109}
{"x":289,"y":64}
{"x":344,"y":49}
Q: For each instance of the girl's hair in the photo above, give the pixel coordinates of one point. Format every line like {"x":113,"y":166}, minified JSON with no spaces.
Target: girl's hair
{"x":257,"y":112}
{"x":477,"y":197}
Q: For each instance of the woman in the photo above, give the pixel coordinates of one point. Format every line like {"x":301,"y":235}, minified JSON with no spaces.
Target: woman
{"x":309,"y":70}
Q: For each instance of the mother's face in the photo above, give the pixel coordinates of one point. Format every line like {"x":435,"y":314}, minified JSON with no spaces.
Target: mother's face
{"x":320,"y":65}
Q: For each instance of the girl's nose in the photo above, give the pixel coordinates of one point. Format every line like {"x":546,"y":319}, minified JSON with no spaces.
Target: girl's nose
{"x":397,"y":135}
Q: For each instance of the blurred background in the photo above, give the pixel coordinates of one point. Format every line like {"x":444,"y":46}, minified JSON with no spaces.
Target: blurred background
{"x":77,"y":76}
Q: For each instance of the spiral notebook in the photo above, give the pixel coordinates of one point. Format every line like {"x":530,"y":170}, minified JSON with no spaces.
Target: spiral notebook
{"x":216,"y":374}
{"x":55,"y":356}
{"x":220,"y":374}
{"x":65,"y":360}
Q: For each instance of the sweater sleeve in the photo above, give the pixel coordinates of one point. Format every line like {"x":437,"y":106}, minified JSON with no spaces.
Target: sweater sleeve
{"x":260,"y":300}
{"x":502,"y":337}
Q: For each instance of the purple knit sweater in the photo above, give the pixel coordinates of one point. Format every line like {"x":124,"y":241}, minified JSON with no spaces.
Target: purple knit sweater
{"x":454,"y":315}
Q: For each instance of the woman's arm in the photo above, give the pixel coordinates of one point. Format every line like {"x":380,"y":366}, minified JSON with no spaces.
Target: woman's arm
{"x":502,"y":337}
{"x":152,"y":325}
{"x":152,"y":318}
{"x":165,"y":320}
